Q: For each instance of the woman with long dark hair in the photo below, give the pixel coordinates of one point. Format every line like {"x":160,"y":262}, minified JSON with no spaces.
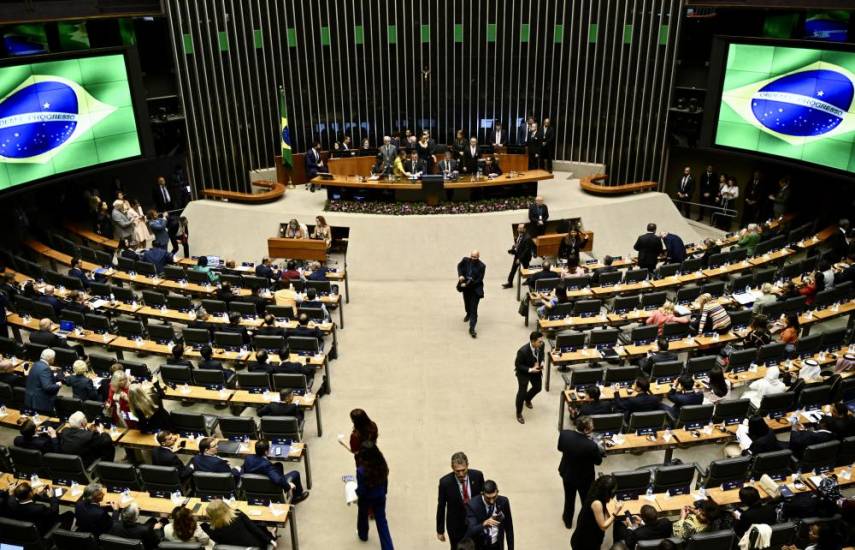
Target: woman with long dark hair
{"x":595,"y":517}
{"x":372,"y":482}
{"x":364,"y":429}
{"x":719,"y":386}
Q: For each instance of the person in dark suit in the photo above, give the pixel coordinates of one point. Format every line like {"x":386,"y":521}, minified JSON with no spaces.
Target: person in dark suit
{"x":160,"y":196}
{"x":488,"y":519}
{"x":538,"y":215}
{"x":645,"y":526}
{"x":675,"y":249}
{"x":293,"y":367}
{"x":265,"y":269}
{"x":90,"y":515}
{"x":261,"y":465}
{"x":235,"y":327}
{"x":470,"y":282}
{"x":208,"y":461}
{"x":470,"y":156}
{"x":128,"y":527}
{"x":534,"y":146}
{"x":491,"y":167}
{"x":547,"y":145}
{"x":159,"y":256}
{"x":22,"y":506}
{"x":570,"y":248}
{"x":78,"y":273}
{"x":414,"y":167}
{"x":49,"y":298}
{"x":29,"y":439}
{"x":528,"y":367}
{"x":685,"y":191}
{"x":314,"y":164}
{"x":456,"y":489}
{"x":755,"y":198}
{"x":579,"y":455}
{"x":606,"y":268}
{"x":498,"y":136}
{"x":448,"y":167}
{"x":751,"y":511}
{"x":209,"y":363}
{"x":711,"y":248}
{"x":842,"y":420}
{"x":594,"y":406}
{"x":81,"y":385}
{"x":42,"y":385}
{"x":522,"y":251}
{"x":45,"y":337}
{"x":648,"y":246}
{"x":86,"y":441}
{"x":284,"y":407}
{"x":838,"y":242}
{"x":642,"y":401}
{"x":268,"y":327}
{"x":801,"y":439}
{"x":685,"y":395}
{"x":661,"y":355}
{"x":707,"y":191}
{"x":763,"y":439}
{"x":304,"y":330}
{"x":165,"y":454}
{"x":261,"y":363}
{"x":176,"y":357}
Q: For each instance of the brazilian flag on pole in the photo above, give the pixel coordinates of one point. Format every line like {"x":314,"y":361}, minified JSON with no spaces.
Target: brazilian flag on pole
{"x":284,"y":134}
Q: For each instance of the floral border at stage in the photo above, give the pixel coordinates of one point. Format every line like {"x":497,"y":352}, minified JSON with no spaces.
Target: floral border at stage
{"x":422,"y":208}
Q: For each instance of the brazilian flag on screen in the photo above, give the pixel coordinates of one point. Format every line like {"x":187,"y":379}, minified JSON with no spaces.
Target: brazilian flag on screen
{"x":797,"y":103}
{"x":58,"y":116}
{"x":284,"y":134}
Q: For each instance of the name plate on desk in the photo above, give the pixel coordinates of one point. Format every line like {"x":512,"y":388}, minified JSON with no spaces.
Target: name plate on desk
{"x":674,"y":491}
{"x":209,"y":498}
{"x":732,"y":421}
{"x":624,"y":496}
{"x":645,"y":431}
{"x":777,"y":414}
{"x":728,"y":485}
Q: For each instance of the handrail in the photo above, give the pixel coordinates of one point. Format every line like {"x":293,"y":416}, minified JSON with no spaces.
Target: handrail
{"x":596,"y":184}
{"x":275,"y":191}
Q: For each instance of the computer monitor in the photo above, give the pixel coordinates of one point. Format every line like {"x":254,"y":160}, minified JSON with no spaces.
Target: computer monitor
{"x":228,"y":340}
{"x":181,"y":303}
{"x":303,"y":345}
{"x":130,"y":328}
{"x":604,"y":337}
{"x":97,"y":323}
{"x":196,"y":337}
{"x":247,"y":310}
{"x":568,"y":341}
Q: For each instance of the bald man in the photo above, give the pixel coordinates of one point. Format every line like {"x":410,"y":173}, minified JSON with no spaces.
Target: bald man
{"x":538,"y":214}
{"x":470,"y":282}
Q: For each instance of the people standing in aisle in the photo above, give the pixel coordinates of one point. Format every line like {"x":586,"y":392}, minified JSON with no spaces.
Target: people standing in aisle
{"x":649,"y":246}
{"x":685,"y":188}
{"x":538,"y":215}
{"x":707,"y":191}
{"x":470,"y":283}
{"x":595,"y":517}
{"x":498,"y":137}
{"x":753,"y":208}
{"x":534,"y":145}
{"x":456,"y":489}
{"x":728,"y":194}
{"x":488,"y":519}
{"x":314,"y":164}
{"x":579,"y":455}
{"x":547,"y":145}
{"x":364,"y":429}
{"x":372,"y":483}
{"x":469,"y":157}
{"x":528,"y":367}
{"x":522,"y":251}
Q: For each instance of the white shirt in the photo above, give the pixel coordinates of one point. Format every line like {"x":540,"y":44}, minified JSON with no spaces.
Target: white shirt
{"x":498,"y":139}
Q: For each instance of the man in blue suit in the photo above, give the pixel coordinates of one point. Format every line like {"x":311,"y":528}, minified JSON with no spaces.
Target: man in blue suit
{"x":261,"y":465}
{"x":208,"y":461}
{"x":157,"y":226}
{"x":42,"y":386}
{"x":314,"y":164}
{"x":158,"y":256}
{"x":51,"y":300}
{"x":675,"y":250}
{"x":78,"y":273}
{"x":685,"y":395}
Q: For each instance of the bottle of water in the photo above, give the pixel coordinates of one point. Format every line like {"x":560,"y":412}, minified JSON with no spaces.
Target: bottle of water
{"x":702,"y":493}
{"x":649,"y":492}
{"x":667,"y":435}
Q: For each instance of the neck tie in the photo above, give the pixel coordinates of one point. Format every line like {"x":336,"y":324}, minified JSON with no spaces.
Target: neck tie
{"x":165,"y":195}
{"x":465,"y":486}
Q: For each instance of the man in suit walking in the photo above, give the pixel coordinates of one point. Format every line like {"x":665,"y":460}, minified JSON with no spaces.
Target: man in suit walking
{"x":470,"y":282}
{"x":456,"y":489}
{"x":684,"y":192}
{"x":538,"y":215}
{"x":42,"y":385}
{"x":528,"y":368}
{"x":522,"y":251}
{"x":547,"y":145}
{"x":579,"y":455}
{"x":488,"y":519}
{"x":649,"y":246}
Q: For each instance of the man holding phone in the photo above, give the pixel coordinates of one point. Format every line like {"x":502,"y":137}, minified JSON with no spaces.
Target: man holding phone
{"x":22,"y":506}
{"x":488,"y":519}
{"x":261,"y":465}
{"x":528,"y":368}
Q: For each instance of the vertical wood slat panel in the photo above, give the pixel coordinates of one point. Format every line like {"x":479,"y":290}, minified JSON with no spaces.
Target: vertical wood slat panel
{"x":608,"y":100}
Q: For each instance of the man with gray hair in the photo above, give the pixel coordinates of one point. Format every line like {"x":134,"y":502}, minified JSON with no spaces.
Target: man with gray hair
{"x":89,"y":442}
{"x":455,"y":491}
{"x":388,"y":152}
{"x":129,"y":527}
{"x":91,"y":515}
{"x":42,"y":385}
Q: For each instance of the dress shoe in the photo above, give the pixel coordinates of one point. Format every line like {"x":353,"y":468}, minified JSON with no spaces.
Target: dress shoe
{"x":300,"y":498}
{"x":507,"y":285}
{"x":529,"y":405}
{"x":466,"y":319}
{"x":472,"y":333}
{"x":520,"y":419}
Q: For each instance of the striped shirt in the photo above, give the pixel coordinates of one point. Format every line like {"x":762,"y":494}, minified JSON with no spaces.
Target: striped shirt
{"x":715,"y":316}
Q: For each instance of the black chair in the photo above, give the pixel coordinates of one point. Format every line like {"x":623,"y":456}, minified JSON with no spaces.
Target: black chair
{"x":67,"y":467}
{"x":137,"y":369}
{"x":125,"y":264}
{"x":741,"y":318}
{"x":66,"y":406}
{"x":673,"y":478}
{"x":739,"y":284}
{"x":764,"y":276}
{"x":280,"y":312}
{"x":174,"y":273}
{"x":122,"y":294}
{"x":580,"y":378}
{"x":215,"y":307}
{"x":782,"y":534}
{"x":259,"y":488}
{"x":694,"y":416}
{"x":741,"y":360}
{"x":731,"y":411}
{"x":687,"y":295}
{"x":101,"y":290}
{"x":290,"y":381}
{"x":276,"y":428}
{"x":635,"y":276}
{"x":607,"y":337}
{"x":586,"y":308}
{"x":814,"y":396}
{"x":690,"y":265}
{"x":736,"y":255}
{"x":643,"y":334}
{"x":653,"y":300}
{"x":700,"y":365}
{"x":160,"y":479}
{"x":75,"y":317}
{"x":270,"y":343}
{"x":775,"y":464}
{"x":213,"y":485}
{"x":198,"y":277}
{"x":130,"y":328}
{"x":569,"y":340}
{"x":73,"y":540}
{"x":303,"y":345}
{"x":196,"y":337}
{"x":179,"y":546}
{"x":775,"y":404}
{"x":21,"y":533}
{"x":611,"y":278}
{"x":111,"y":542}
{"x":667,"y":270}
{"x":806,"y":346}
{"x":162,"y":334}
{"x":726,"y":470}
{"x":607,"y":423}
{"x":818,"y":456}
{"x":193,"y":423}
{"x":210,"y":378}
{"x":228,"y":340}
{"x":666,"y":370}
{"x":97,"y":323}
{"x":546,"y":285}
{"x":246,"y":310}
{"x":623,"y":304}
{"x":28,"y":461}
{"x":238,"y":427}
{"x":33,"y":351}
{"x":180,"y":303}
{"x":646,"y":421}
{"x":632,"y":483}
{"x":833,"y":339}
{"x":154,"y":299}
{"x":846,"y":452}
{"x":771,"y":354}
{"x":117,"y":476}
{"x":714,"y":540}
{"x":255,"y":283}
{"x":675,"y":331}
{"x":717,"y":260}
{"x":176,"y":374}
{"x":253,"y":380}
{"x":716,"y":289}
{"x":621,"y":375}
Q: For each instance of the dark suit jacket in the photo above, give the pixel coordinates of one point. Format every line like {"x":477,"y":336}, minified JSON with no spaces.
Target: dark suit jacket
{"x":470,"y":161}
{"x":161,"y":456}
{"x":270,"y":331}
{"x":262,"y":466}
{"x":448,"y":166}
{"x":800,"y":440}
{"x":47,"y":338}
{"x":595,"y":277}
{"x":680,"y":399}
{"x":599,"y":407}
{"x":765,"y":444}
{"x":535,"y":211}
{"x":675,"y":249}
{"x":579,"y":455}
{"x":843,"y":427}
{"x":547,"y":141}
{"x":837,"y":244}
{"x":660,"y":530}
{"x":280,"y":409}
{"x":82,"y":388}
{"x":78,"y":274}
{"x":450,"y":509}
{"x":85,"y":444}
{"x":709,"y":185}
{"x":414,"y":167}
{"x":473,"y":271}
{"x":211,"y":364}
{"x":160,"y":203}
{"x":241,"y":532}
{"x":759,"y":513}
{"x":542,"y":274}
{"x":647,"y":363}
{"x":265,"y":271}
{"x":213,"y":464}
{"x":503,"y":137}
{"x":41,"y":443}
{"x":93,"y":518}
{"x":43,"y":515}
{"x":526,"y":359}
{"x":13,"y":379}
{"x":136,"y":531}
{"x":523,"y":249}
{"x":638,"y":403}
{"x":313,"y":159}
{"x":292,"y":367}
{"x":476,"y":514}
{"x":648,"y":247}
{"x":42,"y":388}
{"x":689,"y":188}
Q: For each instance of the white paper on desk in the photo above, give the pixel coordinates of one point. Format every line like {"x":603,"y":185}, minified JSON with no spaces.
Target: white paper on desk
{"x":742,"y":437}
{"x":682,"y":310}
{"x":95,"y":304}
{"x":744,"y":298}
{"x":350,"y":492}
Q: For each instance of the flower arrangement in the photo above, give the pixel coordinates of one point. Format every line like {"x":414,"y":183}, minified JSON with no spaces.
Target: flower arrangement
{"x":422,"y":208}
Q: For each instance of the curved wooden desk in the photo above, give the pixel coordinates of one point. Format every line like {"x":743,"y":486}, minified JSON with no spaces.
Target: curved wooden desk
{"x":275,"y":191}
{"x":596,"y":184}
